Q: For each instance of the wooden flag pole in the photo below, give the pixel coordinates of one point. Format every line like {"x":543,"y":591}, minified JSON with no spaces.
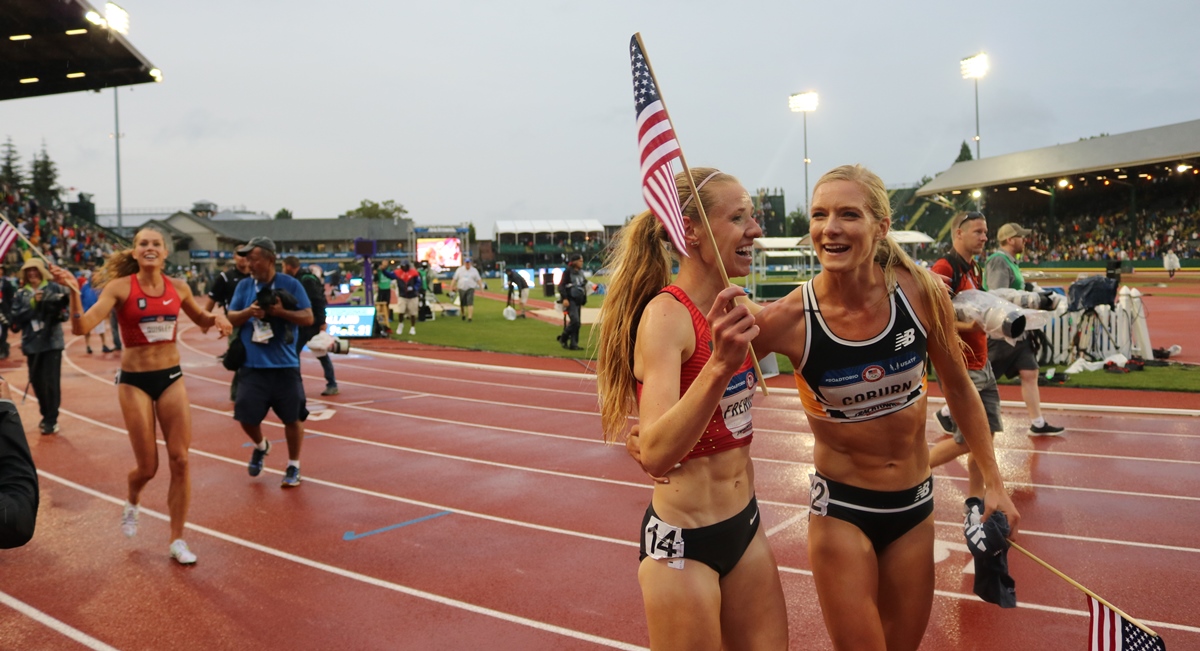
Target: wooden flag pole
{"x":687,"y":172}
{"x":33,"y":248}
{"x":1089,"y":593}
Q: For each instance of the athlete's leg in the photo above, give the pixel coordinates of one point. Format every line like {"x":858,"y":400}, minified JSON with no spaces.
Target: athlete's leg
{"x":138,"y":410}
{"x":683,"y":606}
{"x":1030,"y":393}
{"x":846,"y":574}
{"x":753,"y":612}
{"x":176,"y":420}
{"x":906,"y":587}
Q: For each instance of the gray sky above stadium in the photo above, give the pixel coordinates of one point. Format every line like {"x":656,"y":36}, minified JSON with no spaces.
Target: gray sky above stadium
{"x":466,"y":110}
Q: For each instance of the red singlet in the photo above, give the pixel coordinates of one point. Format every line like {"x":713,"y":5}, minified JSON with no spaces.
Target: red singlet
{"x":146,"y":320}
{"x":731,"y":425}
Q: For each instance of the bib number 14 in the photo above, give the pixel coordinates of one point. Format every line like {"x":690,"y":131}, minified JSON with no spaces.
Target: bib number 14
{"x":662,"y":540}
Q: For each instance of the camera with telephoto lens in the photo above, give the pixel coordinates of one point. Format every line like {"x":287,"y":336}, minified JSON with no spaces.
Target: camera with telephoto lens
{"x":268,"y":296}
{"x":340,"y":346}
{"x":55,"y":308}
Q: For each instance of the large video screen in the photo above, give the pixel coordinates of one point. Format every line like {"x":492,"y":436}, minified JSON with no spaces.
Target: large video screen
{"x":443,"y":252}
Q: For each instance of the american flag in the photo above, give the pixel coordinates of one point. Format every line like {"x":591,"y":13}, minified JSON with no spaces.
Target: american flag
{"x":8,"y":235}
{"x":658,"y":147}
{"x":1111,"y":632}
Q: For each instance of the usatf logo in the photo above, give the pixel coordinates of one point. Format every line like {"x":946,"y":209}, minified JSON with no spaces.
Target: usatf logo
{"x":906,"y":338}
{"x":872,"y":373}
{"x":922,"y":492}
{"x":751,"y":381}
{"x":141,"y":303}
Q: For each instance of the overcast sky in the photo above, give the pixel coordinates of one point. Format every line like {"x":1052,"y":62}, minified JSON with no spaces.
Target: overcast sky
{"x":467,"y":110}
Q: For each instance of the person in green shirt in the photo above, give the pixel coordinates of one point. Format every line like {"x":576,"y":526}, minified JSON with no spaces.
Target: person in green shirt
{"x":1012,"y":360}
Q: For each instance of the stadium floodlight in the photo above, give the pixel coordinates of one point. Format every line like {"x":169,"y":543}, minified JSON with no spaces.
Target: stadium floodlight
{"x":76,"y":32}
{"x":975,"y":194}
{"x":29,"y":80}
{"x":20,"y":37}
{"x":157,"y":74}
{"x":1062,"y":183}
{"x":95,"y":18}
{"x":975,"y":67}
{"x":75,"y":75}
{"x":804,"y":103}
{"x":1183,"y":167}
{"x":117,"y":18}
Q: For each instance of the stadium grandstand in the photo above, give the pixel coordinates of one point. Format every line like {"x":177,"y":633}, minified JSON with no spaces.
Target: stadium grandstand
{"x":60,"y":47}
{"x":1127,"y":197}
{"x":64,"y":46}
{"x":530,"y":243}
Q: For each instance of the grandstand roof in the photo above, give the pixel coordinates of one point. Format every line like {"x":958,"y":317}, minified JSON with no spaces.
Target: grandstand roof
{"x":1173,"y":142}
{"x":307,"y":230}
{"x":549,"y":226}
{"x":49,"y":54}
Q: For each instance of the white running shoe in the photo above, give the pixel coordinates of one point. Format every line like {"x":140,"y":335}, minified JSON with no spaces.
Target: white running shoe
{"x":181,"y":553}
{"x":129,"y":520}
{"x":412,"y":330}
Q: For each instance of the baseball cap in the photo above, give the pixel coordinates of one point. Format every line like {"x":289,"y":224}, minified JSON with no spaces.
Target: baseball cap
{"x":264,"y":243}
{"x":1011,"y":230}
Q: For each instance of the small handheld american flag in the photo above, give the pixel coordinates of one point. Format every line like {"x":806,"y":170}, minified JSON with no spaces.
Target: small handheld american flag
{"x":1112,"y":632}
{"x":8,"y":235}
{"x":658,"y":148}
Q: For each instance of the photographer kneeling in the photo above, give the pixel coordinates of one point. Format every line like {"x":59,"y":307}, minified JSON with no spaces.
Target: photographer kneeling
{"x":39,"y":310}
{"x":268,"y":307}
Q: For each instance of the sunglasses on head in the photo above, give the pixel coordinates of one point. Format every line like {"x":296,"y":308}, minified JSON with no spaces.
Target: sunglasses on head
{"x":972,"y":216}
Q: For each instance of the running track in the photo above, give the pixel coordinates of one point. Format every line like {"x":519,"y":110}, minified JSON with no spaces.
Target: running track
{"x":467,"y":506}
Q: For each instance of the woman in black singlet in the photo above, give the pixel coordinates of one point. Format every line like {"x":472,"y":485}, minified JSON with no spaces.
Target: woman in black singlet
{"x":148,"y":387}
{"x":678,"y":357}
{"x":858,"y":334}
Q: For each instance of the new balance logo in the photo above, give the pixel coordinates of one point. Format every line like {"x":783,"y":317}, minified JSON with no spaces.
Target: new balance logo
{"x":906,"y":338}
{"x":922,"y":492}
{"x":977,"y":537}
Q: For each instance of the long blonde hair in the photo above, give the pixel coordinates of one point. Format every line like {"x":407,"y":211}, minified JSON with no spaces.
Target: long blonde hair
{"x":122,"y":263}
{"x":639,"y":266}
{"x":888,"y":253}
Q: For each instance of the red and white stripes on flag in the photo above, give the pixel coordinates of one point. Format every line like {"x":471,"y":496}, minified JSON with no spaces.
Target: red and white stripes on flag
{"x":658,"y":148}
{"x":8,"y":235}
{"x":1111,"y":632}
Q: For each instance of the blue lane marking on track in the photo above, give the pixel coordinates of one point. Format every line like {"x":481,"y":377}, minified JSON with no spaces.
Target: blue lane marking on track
{"x":350,"y":535}
{"x":274,"y":441}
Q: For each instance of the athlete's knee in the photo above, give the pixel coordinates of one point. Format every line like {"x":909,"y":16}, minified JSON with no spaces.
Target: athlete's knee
{"x":179,"y":461}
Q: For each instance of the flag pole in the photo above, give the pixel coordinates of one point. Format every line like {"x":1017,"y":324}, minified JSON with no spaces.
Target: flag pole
{"x":33,"y":248}
{"x":1089,"y":593}
{"x":687,"y":172}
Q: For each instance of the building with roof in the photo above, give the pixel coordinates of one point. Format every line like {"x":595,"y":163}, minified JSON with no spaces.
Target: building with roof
{"x":204,"y":242}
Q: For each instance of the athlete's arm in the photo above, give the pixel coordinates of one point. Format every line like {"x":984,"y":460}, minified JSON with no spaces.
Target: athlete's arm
{"x":83,"y":322}
{"x":967,"y":409}
{"x":203,"y":318}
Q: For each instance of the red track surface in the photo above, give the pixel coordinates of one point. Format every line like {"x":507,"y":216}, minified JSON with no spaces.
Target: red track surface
{"x":530,"y":536}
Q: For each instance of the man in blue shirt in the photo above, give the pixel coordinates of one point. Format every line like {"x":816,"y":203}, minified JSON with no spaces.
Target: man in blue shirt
{"x":268,"y":307}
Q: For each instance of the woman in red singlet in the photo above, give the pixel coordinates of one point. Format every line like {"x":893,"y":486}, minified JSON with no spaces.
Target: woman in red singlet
{"x":678,"y":355}
{"x":148,"y":303}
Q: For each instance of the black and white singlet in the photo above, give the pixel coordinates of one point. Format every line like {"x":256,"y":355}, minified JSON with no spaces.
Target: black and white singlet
{"x":852,"y":381}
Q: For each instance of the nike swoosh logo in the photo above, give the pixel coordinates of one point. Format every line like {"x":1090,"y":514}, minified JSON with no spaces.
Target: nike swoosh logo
{"x":175,"y":375}
{"x":754,"y":517}
{"x":168,"y":302}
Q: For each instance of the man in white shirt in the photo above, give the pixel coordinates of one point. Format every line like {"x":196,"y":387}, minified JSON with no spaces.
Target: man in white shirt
{"x":466,"y":280}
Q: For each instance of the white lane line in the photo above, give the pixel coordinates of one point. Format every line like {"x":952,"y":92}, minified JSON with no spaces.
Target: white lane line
{"x":584,"y":477}
{"x":787,"y":523}
{"x":457,"y":380}
{"x":362,"y":578}
{"x":57,"y":625}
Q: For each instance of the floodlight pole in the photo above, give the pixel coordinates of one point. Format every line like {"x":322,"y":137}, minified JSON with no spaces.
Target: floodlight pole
{"x":807,"y":198}
{"x":977,"y":118}
{"x":117,"y":140}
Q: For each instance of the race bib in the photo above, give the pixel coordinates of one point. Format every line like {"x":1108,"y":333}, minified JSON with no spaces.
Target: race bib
{"x":157,"y":328}
{"x":661,"y":540}
{"x":735,"y":404}
{"x":262,"y":332}
{"x":818,"y":495}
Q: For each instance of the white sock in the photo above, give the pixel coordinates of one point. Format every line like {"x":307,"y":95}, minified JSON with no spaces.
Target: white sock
{"x":295,"y":464}
{"x":1039,"y":422}
{"x":945,"y":410}
{"x":261,"y":445}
